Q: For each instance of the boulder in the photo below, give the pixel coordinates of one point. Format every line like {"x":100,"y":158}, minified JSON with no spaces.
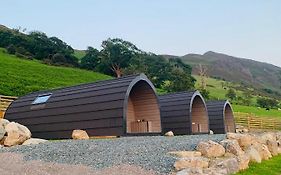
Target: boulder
{"x":279,"y":150}
{"x":191,"y":171}
{"x":4,"y":122}
{"x":253,"y":154}
{"x":34,"y":141}
{"x":263,"y":151}
{"x":17,"y":134}
{"x":3,"y":140}
{"x":191,"y":162}
{"x":169,"y":134}
{"x":230,"y":164}
{"x":232,"y":146}
{"x":215,"y":171}
{"x":211,"y":132}
{"x":244,"y":140}
{"x":267,"y":136}
{"x":2,"y":132}
{"x":183,"y":154}
{"x":80,"y":135}
{"x":243,"y":161}
{"x":272,"y":147}
{"x":278,"y":138}
{"x":210,"y":149}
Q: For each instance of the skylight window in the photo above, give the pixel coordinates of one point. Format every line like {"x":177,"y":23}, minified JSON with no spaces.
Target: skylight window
{"x":41,"y":99}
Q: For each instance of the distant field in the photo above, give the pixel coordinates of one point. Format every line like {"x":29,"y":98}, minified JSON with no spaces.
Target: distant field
{"x":19,"y":76}
{"x":79,"y":53}
{"x":260,"y":112}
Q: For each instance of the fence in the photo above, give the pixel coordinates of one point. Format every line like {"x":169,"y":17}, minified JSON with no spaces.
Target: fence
{"x":5,"y":101}
{"x":253,"y":122}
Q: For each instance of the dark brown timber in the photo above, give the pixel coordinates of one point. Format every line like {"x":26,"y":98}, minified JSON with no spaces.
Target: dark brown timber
{"x":117,"y":107}
{"x":221,"y":117}
{"x":184,"y":113}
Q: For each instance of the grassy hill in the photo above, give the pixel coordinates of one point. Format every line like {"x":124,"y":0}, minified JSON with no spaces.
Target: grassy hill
{"x":19,"y":77}
{"x":263,"y":77}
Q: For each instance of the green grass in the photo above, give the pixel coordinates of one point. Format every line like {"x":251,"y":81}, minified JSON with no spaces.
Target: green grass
{"x":19,"y":76}
{"x":269,"y":167}
{"x":260,"y":112}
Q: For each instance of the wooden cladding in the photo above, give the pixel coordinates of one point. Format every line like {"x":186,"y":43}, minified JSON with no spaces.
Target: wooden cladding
{"x":104,"y":108}
{"x":221,"y":117}
{"x":5,"y":102}
{"x":184,"y":113}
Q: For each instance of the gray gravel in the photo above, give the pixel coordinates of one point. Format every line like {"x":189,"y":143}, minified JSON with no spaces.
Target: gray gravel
{"x":148,"y":152}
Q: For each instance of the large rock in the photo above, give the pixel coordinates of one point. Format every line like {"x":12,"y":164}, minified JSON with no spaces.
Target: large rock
{"x":243,"y":161}
{"x":4,"y":122}
{"x":185,"y":154}
{"x":232,"y":146}
{"x":230,"y":164}
{"x":244,"y":140}
{"x":34,"y":141}
{"x":80,"y":135}
{"x":215,"y":171}
{"x":17,"y":134}
{"x":191,"y":162}
{"x":191,"y":171}
{"x":169,"y":134}
{"x":272,"y":147}
{"x":267,"y":136}
{"x":2,"y":132}
{"x":253,"y":154}
{"x":263,"y":151}
{"x":210,"y":149}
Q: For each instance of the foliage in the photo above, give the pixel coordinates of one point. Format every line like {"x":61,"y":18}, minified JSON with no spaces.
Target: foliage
{"x":91,"y":59}
{"x":19,"y":76}
{"x":267,"y":102}
{"x":205,"y":93}
{"x":231,"y":94}
{"x":246,"y":99}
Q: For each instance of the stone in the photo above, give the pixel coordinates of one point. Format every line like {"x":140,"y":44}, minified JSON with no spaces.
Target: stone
{"x":268,"y":136}
{"x":244,"y":140}
{"x":183,"y":154}
{"x":191,"y":171}
{"x":215,"y":171}
{"x":4,"y":122}
{"x":17,"y":134}
{"x":34,"y":141}
{"x":191,"y":162}
{"x":210,"y":149}
{"x":2,"y":132}
{"x":232,"y":146}
{"x":243,"y":161}
{"x":2,"y":141}
{"x":253,"y":154}
{"x":272,"y":147}
{"x":245,"y":130}
{"x":169,"y":134}
{"x":263,"y":151}
{"x":80,"y":135}
{"x":279,"y":150}
{"x":230,"y":164}
{"x":211,"y":132}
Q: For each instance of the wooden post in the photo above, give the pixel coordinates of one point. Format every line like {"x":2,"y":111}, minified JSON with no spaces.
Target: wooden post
{"x":249,"y":124}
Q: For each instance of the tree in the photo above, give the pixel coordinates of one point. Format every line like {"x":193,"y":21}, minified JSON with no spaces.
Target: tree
{"x":179,"y":81}
{"x":91,"y":59}
{"x":246,"y":99}
{"x":267,"y":102}
{"x":205,"y":93}
{"x":231,"y":94}
{"x":116,"y":55}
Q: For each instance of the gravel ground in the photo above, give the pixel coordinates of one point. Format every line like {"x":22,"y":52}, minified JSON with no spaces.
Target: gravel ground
{"x":149,"y":153}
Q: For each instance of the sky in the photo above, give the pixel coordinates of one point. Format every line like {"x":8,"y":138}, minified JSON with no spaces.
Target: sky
{"x":243,"y":28}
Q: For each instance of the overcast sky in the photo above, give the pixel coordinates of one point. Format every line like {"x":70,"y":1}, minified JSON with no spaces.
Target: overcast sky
{"x":243,"y":28}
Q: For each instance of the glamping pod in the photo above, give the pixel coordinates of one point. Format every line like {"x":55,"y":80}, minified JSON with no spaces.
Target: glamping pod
{"x":221,"y":117}
{"x":184,"y":113}
{"x":117,"y":107}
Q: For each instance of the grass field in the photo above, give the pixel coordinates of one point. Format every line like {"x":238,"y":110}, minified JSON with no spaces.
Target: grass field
{"x":79,"y":53}
{"x":269,"y":167}
{"x":260,"y":112}
{"x":19,"y":76}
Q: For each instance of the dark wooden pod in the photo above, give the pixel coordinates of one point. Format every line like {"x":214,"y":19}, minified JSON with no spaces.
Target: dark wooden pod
{"x":184,"y":113}
{"x":221,"y":117}
{"x":117,"y":107}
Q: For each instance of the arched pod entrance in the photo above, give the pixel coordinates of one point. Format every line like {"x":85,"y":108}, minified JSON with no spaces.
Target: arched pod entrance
{"x":184,"y":113}
{"x":221,"y":117}
{"x":100,"y":108}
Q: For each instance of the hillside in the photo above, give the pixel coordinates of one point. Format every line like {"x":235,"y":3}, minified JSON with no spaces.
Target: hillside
{"x":262,"y":76}
{"x":19,"y":76}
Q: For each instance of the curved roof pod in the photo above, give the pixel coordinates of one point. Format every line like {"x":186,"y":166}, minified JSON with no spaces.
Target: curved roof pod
{"x":117,"y":107}
{"x":184,"y":113}
{"x":221,"y":117}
